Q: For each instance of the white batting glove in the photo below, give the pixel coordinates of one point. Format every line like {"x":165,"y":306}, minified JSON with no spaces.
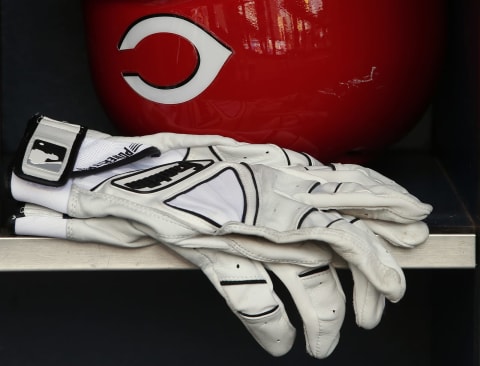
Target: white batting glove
{"x":386,"y":216}
{"x":236,"y":266}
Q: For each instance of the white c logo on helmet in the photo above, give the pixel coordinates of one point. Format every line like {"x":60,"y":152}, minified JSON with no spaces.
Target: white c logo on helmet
{"x":212,"y":55}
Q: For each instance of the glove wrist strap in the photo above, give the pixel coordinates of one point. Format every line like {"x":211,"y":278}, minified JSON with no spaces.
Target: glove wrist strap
{"x":51,"y":152}
{"x":48,"y":151}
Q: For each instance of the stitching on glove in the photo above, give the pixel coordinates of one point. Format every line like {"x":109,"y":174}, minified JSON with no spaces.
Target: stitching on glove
{"x":286,"y":156}
{"x":215,"y":153}
{"x":242,"y":282}
{"x":337,"y":187}
{"x":314,"y":271}
{"x":259,"y":315}
{"x":333,"y":222}
{"x":305,"y":215}
{"x":315,"y":185}
{"x":257,"y":195}
{"x":308,"y":157}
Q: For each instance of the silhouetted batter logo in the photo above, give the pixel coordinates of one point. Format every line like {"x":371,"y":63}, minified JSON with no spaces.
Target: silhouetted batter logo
{"x":47,"y":156}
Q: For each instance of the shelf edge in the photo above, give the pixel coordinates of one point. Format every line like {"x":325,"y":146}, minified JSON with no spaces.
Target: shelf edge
{"x":46,"y":254}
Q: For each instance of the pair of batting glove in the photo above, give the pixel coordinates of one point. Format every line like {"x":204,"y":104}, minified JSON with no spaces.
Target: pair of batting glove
{"x":233,"y":209}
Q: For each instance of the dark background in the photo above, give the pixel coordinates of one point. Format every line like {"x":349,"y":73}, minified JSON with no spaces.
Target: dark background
{"x":176,"y":317}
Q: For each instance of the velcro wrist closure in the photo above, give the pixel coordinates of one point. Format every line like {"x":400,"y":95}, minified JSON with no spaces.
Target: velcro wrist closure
{"x":48,"y":151}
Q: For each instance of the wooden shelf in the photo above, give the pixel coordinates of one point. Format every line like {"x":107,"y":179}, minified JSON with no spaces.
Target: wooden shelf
{"x":44,"y":254}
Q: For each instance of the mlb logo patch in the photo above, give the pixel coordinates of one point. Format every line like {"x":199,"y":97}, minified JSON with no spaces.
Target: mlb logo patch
{"x":48,"y":150}
{"x":47,"y":156}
